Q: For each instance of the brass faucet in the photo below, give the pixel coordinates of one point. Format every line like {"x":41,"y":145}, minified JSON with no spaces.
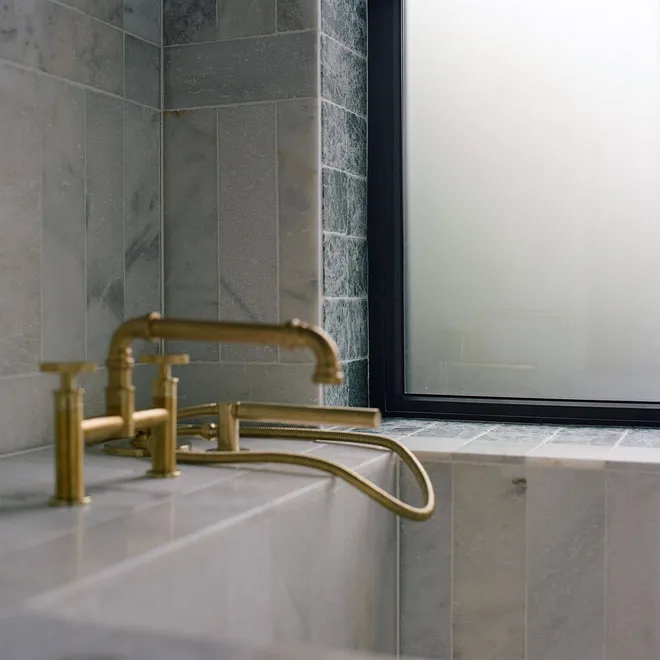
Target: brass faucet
{"x":154,"y":432}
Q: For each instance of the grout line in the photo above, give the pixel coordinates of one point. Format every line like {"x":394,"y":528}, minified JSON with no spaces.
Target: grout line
{"x":526,"y":556}
{"x":217,"y":203}
{"x":606,"y":533}
{"x":249,"y":37}
{"x":620,"y":440}
{"x":341,"y":107}
{"x":80,"y":12}
{"x":161,"y":343}
{"x":452,"y":553}
{"x":277,"y":216}
{"x":73,"y":83}
{"x":86,"y":324}
{"x":241,"y":104}
{"x":339,"y":233}
{"x":123,"y":167}
{"x":362,"y":56}
{"x":348,"y":174}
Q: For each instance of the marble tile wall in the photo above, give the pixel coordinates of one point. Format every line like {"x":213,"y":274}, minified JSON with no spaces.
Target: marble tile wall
{"x":249,"y":214}
{"x":344,"y":191}
{"x":532,"y":554}
{"x":79,"y":191}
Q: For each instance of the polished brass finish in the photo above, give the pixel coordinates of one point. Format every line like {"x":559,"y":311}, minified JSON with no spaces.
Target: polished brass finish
{"x":153,"y":433}
{"x":164,"y":448}
{"x":69,"y":438}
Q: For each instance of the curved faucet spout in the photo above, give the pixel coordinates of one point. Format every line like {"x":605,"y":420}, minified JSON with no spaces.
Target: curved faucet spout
{"x":291,"y":335}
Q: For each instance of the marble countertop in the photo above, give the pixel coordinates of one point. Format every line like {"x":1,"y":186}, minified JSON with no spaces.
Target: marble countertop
{"x":45,"y":552}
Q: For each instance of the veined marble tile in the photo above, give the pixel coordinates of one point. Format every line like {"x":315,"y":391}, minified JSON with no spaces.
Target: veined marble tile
{"x":297,"y":15}
{"x":565,"y":564}
{"x":335,"y":265}
{"x":425,"y":570}
{"x":186,"y":21}
{"x":247,"y":137}
{"x":509,"y":440}
{"x":110,"y":11}
{"x":460,"y":430}
{"x":191,"y":223}
{"x":335,"y":209}
{"x":272,"y":68}
{"x":358,"y":267}
{"x":237,"y":18}
{"x":633,"y":572}
{"x":640,"y":437}
{"x":347,"y":322}
{"x":105,"y":221}
{"x":142,"y":216}
{"x":63,"y":210}
{"x":489,"y":562}
{"x":142,"y":71}
{"x":20,"y":211}
{"x":142,"y":18}
{"x":343,"y":76}
{"x":356,"y":201}
{"x":298,"y":199}
{"x":77,"y":48}
{"x":344,"y":140}
{"x":346,"y":21}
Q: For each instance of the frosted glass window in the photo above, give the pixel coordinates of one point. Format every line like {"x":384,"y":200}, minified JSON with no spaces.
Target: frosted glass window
{"x":532,"y":223}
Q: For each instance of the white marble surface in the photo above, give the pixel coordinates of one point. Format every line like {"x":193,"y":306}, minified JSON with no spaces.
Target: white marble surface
{"x":263,"y":554}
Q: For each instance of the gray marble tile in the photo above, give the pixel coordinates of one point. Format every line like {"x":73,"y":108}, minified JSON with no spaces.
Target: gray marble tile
{"x":110,"y":11}
{"x":425,"y":570}
{"x":26,"y":408}
{"x":188,"y":21}
{"x":191,"y":223}
{"x":105,"y":221}
{"x":20,"y":210}
{"x":142,"y":18}
{"x":299,"y":185}
{"x":356,"y":205}
{"x":63,"y":208}
{"x":531,"y":433}
{"x":280,"y":383}
{"x":77,"y":48}
{"x":354,"y":391}
{"x":343,"y":76}
{"x":346,"y":320}
{"x":344,"y":140}
{"x":297,"y":15}
{"x":358,"y":265}
{"x":248,"y":222}
{"x":335,"y":208}
{"x":566,"y":566}
{"x":142,"y":71}
{"x":335,"y":265}
{"x":463,"y":430}
{"x":588,"y":436}
{"x":142,"y":259}
{"x":22,"y":31}
{"x":237,"y":18}
{"x":346,"y":21}
{"x":640,"y":437}
{"x":358,"y":328}
{"x":633,"y":574}
{"x":489,"y":576}
{"x":272,"y":67}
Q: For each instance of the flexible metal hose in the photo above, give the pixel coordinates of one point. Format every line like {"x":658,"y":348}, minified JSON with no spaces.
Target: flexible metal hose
{"x":345,"y":437}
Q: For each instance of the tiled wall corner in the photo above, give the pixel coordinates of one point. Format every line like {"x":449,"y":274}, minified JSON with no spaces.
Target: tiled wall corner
{"x":79,"y":191}
{"x":344,"y":209}
{"x":242,"y":178}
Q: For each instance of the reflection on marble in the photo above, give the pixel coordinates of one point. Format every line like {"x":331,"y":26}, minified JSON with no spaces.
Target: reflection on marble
{"x":566,"y":549}
{"x":298,"y":199}
{"x":276,"y":67}
{"x":297,"y":15}
{"x":186,"y":21}
{"x":63,"y":202}
{"x":142,"y":71}
{"x":633,"y":573}
{"x":425,"y":570}
{"x":142,"y":216}
{"x":142,"y":18}
{"x":191,"y":223}
{"x":20,"y":210}
{"x":343,"y":76}
{"x":110,"y":11}
{"x":489,"y":563}
{"x":588,"y":436}
{"x":105,"y":221}
{"x":248,"y":223}
{"x":344,"y":139}
{"x":346,"y":21}
{"x":237,"y":18}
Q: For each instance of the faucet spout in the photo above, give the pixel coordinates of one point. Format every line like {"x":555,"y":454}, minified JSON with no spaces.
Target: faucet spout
{"x":294,"y":334}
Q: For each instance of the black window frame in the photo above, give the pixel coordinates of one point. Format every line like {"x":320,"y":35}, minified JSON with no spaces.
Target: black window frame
{"x":386,"y":266}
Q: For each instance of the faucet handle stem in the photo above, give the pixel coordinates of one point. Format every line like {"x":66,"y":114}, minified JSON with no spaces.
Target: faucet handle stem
{"x":68,"y":371}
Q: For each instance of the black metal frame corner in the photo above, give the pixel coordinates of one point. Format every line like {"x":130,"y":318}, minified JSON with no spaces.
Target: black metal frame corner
{"x":386,"y":266}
